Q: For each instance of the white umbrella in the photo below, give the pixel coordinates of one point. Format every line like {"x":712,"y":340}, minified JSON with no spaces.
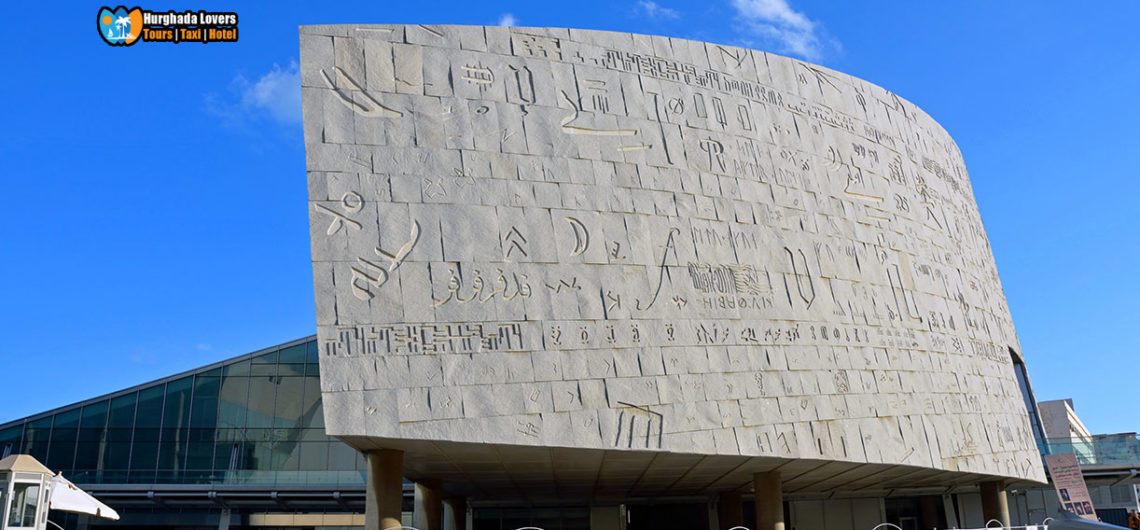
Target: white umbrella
{"x":65,"y":496}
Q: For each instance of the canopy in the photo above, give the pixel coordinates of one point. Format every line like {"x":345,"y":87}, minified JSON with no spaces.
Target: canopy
{"x":65,"y":496}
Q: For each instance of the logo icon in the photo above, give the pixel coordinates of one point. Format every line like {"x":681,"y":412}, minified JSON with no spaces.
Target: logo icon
{"x":120,"y":27}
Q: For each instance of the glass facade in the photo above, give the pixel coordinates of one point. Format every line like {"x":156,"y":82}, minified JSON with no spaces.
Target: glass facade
{"x":254,"y":419}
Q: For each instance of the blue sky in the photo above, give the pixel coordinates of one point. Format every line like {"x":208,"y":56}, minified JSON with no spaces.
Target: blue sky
{"x":156,"y":217}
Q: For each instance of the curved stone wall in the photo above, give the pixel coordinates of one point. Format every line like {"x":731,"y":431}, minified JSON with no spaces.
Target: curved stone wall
{"x":550,"y":237}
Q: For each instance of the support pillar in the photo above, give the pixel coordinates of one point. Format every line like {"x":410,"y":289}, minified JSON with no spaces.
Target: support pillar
{"x":428,"y":514}
{"x":995,"y":505}
{"x":455,"y":513}
{"x":730,"y":510}
{"x":769,"y":500}
{"x":384,"y":495}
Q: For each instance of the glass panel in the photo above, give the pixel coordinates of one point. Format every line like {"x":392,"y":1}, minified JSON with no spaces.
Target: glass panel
{"x":268,"y":370}
{"x":262,"y":392}
{"x":232,"y":401}
{"x":122,"y":411}
{"x":341,"y":457}
{"x":314,"y":456}
{"x":3,"y":498}
{"x":241,"y":368}
{"x":144,"y":453}
{"x":204,"y":411}
{"x":149,"y":414}
{"x":311,"y":354}
{"x":10,"y":442}
{"x":292,"y":354}
{"x":25,"y":496}
{"x":36,"y":437}
{"x":200,"y":449}
{"x":290,"y":369}
{"x":176,"y":413}
{"x":290,"y":398}
{"x":269,"y":358}
{"x":95,"y":415}
{"x":312,"y":415}
{"x":68,"y":419}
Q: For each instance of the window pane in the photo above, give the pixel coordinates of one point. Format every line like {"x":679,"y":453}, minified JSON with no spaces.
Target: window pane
{"x":312,"y":415}
{"x":262,"y":392}
{"x":292,"y":354}
{"x":122,"y":411}
{"x":176,"y":413}
{"x":149,"y":414}
{"x":68,"y":419}
{"x":232,"y":401}
{"x":10,"y":441}
{"x":241,"y":368}
{"x":204,"y":412}
{"x":290,"y":398}
{"x":269,"y":358}
{"x":25,"y":497}
{"x":95,"y":415}
{"x":311,"y":350}
{"x":36,"y":437}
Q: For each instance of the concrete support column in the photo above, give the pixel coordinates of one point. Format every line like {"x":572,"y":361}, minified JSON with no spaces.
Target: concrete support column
{"x":455,"y":513}
{"x":385,"y":490}
{"x":428,"y":514}
{"x":994,"y":502}
{"x":769,"y":500}
{"x":730,"y":510}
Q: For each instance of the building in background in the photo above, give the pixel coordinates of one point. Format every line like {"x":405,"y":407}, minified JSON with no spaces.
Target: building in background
{"x":242,"y":441}
{"x":1109,"y":464}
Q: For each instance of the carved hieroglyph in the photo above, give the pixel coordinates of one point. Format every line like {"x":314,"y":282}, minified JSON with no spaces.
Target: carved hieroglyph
{"x":568,"y":238}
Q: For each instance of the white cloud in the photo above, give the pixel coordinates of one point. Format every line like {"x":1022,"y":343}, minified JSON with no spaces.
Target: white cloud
{"x":277,"y":92}
{"x":507,"y":19}
{"x":653,"y":10}
{"x":776,"y":21}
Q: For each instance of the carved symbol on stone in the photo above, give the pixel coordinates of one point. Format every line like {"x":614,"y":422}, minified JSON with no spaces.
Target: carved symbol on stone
{"x":598,"y":96}
{"x":433,"y":189}
{"x":861,"y":101}
{"x":835,"y":160}
{"x":523,"y":87}
{"x":369,"y":107}
{"x":558,"y":287}
{"x":615,"y":252}
{"x":718,"y":109}
{"x":478,"y":75}
{"x":808,"y":294}
{"x":638,"y":427}
{"x":574,"y":129}
{"x":821,"y":78}
{"x":514,"y":237}
{"x":679,"y":301}
{"x":669,"y":245}
{"x":464,"y":178}
{"x":536,"y":46}
{"x":744,"y":116}
{"x":715,"y":150}
{"x":737,"y":56}
{"x":610,"y":301}
{"x":372,"y":274}
{"x":699,"y":106}
{"x":528,"y":428}
{"x":352,"y":203}
{"x":581,"y":236}
{"x":676,"y":105}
